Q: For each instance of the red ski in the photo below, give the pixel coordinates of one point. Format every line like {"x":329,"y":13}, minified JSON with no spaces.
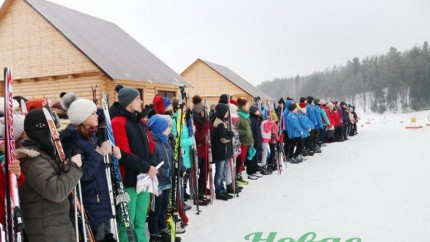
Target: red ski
{"x":13,"y":213}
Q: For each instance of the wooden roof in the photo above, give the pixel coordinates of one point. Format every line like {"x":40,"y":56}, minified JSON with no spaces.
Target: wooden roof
{"x":238,"y":80}
{"x":110,"y":48}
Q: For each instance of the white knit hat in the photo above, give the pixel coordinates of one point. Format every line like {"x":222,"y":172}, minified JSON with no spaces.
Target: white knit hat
{"x":15,"y":105}
{"x":18,"y":126}
{"x":79,"y":110}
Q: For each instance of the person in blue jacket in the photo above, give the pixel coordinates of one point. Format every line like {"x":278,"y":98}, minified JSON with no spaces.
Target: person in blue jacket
{"x":163,"y":152}
{"x":295,"y":132}
{"x":306,"y":126}
{"x":80,"y":138}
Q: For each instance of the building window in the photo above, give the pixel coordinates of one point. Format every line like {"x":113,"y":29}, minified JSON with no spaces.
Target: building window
{"x":168,"y":94}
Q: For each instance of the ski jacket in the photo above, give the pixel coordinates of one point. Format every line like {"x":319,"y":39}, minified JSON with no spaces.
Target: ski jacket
{"x":244,"y":128}
{"x":202,"y":128}
{"x":284,"y":116}
{"x":133,"y":138}
{"x":305,"y":124}
{"x":186,"y":140}
{"x":256,"y":133}
{"x":311,"y":115}
{"x":351,"y":117}
{"x":44,"y":196}
{"x":163,"y":152}
{"x":221,"y":141}
{"x":318,"y":117}
{"x":334,"y":118}
{"x":266,"y":130}
{"x":324,"y":117}
{"x":293,"y":126}
{"x":340,"y":114}
{"x":95,"y":191}
{"x":345,"y":118}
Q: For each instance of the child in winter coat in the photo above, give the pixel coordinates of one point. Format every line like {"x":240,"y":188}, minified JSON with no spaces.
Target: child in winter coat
{"x":80,"y":137}
{"x":163,"y":152}
{"x":268,"y":130}
{"x":44,"y":195}
{"x":221,"y":149}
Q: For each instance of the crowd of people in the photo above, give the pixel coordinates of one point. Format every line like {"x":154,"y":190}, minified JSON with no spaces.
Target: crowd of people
{"x":176,"y":142}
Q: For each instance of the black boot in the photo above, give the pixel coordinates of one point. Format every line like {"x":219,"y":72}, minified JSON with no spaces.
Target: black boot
{"x":230,"y":189}
{"x":167,"y":237}
{"x":221,"y":196}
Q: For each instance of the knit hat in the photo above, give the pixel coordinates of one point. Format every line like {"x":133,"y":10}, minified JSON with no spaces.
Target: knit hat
{"x":197,"y":99}
{"x":220,"y":110}
{"x":310,"y":99}
{"x":234,"y":102}
{"x":317,"y":101}
{"x":78,"y":109}
{"x":322,"y":102}
{"x":118,"y":87}
{"x":18,"y":126}
{"x":158,"y":103}
{"x":158,"y":124}
{"x":126,"y":95}
{"x":233,"y":109}
{"x":198,"y":108}
{"x":292,"y":106}
{"x":15,"y":105}
{"x":223,"y":99}
{"x":166,"y":102}
{"x":253,"y":109}
{"x":330,"y":104}
{"x":35,"y":121}
{"x":342,"y":103}
{"x":36,"y":127}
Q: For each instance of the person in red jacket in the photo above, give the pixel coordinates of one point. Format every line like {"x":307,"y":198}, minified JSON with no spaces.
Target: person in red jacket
{"x":202,"y":126}
{"x":334,"y":121}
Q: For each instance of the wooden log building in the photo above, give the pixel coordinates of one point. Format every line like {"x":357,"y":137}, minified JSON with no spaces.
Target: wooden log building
{"x":211,"y":80}
{"x":53,"y":49}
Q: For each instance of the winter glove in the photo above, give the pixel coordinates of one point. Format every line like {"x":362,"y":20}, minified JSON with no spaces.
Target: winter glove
{"x":251,"y":152}
{"x":105,"y":148}
{"x":77,"y":160}
{"x":116,"y":152}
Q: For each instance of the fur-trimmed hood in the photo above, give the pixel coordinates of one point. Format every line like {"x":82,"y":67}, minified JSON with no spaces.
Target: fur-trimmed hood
{"x":27,"y":152}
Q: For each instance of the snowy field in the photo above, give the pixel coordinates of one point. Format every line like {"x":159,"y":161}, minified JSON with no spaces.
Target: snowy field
{"x":375,"y":187}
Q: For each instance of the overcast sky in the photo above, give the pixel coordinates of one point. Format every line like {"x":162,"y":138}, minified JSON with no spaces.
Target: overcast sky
{"x":264,"y":39}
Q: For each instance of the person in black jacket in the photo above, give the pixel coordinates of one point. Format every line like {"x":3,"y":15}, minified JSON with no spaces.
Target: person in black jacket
{"x":221,"y":149}
{"x":252,"y":166}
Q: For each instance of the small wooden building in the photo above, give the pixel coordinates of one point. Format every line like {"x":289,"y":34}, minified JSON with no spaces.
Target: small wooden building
{"x":212,"y":80}
{"x":52,"y":49}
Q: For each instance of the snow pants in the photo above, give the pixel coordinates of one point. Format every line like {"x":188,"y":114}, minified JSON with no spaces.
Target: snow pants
{"x":138,"y":207}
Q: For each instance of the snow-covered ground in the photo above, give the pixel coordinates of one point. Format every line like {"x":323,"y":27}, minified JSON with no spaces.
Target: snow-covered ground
{"x":375,"y":187}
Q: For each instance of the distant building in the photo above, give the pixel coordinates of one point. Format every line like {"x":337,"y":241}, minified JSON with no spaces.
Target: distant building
{"x":210,"y":80}
{"x":53,"y":49}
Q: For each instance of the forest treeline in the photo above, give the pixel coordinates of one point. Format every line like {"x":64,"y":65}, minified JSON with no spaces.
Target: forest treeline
{"x":395,"y":81}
